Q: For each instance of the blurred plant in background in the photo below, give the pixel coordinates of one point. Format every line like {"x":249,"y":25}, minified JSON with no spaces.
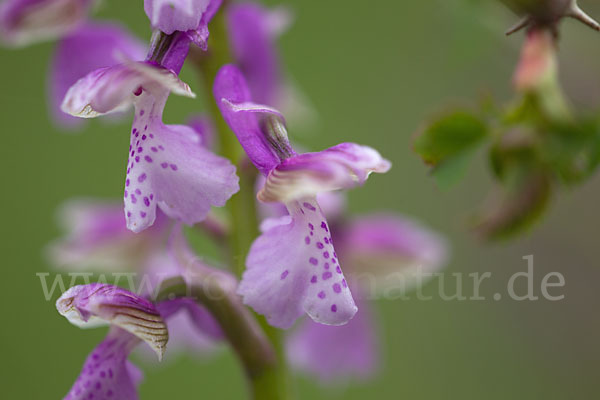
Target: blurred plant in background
{"x":177,"y":174}
{"x":536,"y":144}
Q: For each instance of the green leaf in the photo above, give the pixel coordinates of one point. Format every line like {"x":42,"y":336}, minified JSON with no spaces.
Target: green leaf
{"x":450,"y":136}
{"x":521,"y":203}
{"x":572,"y":151}
{"x":450,"y":171}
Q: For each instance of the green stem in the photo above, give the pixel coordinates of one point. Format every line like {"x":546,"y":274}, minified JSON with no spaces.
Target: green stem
{"x":273,"y":382}
{"x":216,"y":291}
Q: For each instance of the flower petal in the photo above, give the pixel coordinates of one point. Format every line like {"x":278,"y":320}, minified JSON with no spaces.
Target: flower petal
{"x":111,"y":89}
{"x":169,"y":167}
{"x":23,"y":22}
{"x":106,"y":373}
{"x":390,"y":252}
{"x":234,"y":100}
{"x":333,"y":204}
{"x":87,"y":48}
{"x":335,"y":352}
{"x":98,"y":304}
{"x":343,"y":166}
{"x":96,"y":236}
{"x":199,"y":35}
{"x":292,"y":268}
{"x":175,"y":15}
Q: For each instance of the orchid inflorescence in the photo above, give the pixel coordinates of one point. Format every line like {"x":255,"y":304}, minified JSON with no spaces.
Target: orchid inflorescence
{"x":176,"y":176}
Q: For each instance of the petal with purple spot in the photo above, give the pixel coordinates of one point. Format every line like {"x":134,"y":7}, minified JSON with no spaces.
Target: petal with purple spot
{"x":286,"y":273}
{"x":106,"y":373}
{"x":169,"y":168}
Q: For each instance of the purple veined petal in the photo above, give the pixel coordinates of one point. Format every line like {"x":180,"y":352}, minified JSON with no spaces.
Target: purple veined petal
{"x":340,"y":167}
{"x":96,"y":236}
{"x":184,"y":339}
{"x":335,"y":353}
{"x":97,"y":304}
{"x":292,"y":269}
{"x":235,"y":102}
{"x":192,"y":330}
{"x":388,"y":252}
{"x":87,"y":48}
{"x":253,"y":47}
{"x":333,"y":204}
{"x":106,"y":373}
{"x":169,"y":168}
{"x":23,"y":22}
{"x":268,"y":211}
{"x":175,"y":15}
{"x":112,"y":89}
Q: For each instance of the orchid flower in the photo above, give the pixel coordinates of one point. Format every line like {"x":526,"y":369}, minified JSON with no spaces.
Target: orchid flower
{"x":84,"y":49}
{"x":96,"y":234}
{"x":292,"y":267}
{"x":106,"y":372}
{"x":23,"y":22}
{"x":97,"y":237}
{"x":168,"y":167}
{"x":383,"y":254}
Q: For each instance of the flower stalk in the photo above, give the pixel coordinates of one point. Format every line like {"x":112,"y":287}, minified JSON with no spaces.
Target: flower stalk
{"x":268,"y":380}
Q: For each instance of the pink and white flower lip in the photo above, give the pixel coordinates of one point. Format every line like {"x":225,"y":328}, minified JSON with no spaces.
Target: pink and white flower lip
{"x":292,"y":268}
{"x":23,"y":22}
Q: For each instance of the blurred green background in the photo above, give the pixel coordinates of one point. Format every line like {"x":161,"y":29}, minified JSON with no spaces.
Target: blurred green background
{"x":374,"y":71}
